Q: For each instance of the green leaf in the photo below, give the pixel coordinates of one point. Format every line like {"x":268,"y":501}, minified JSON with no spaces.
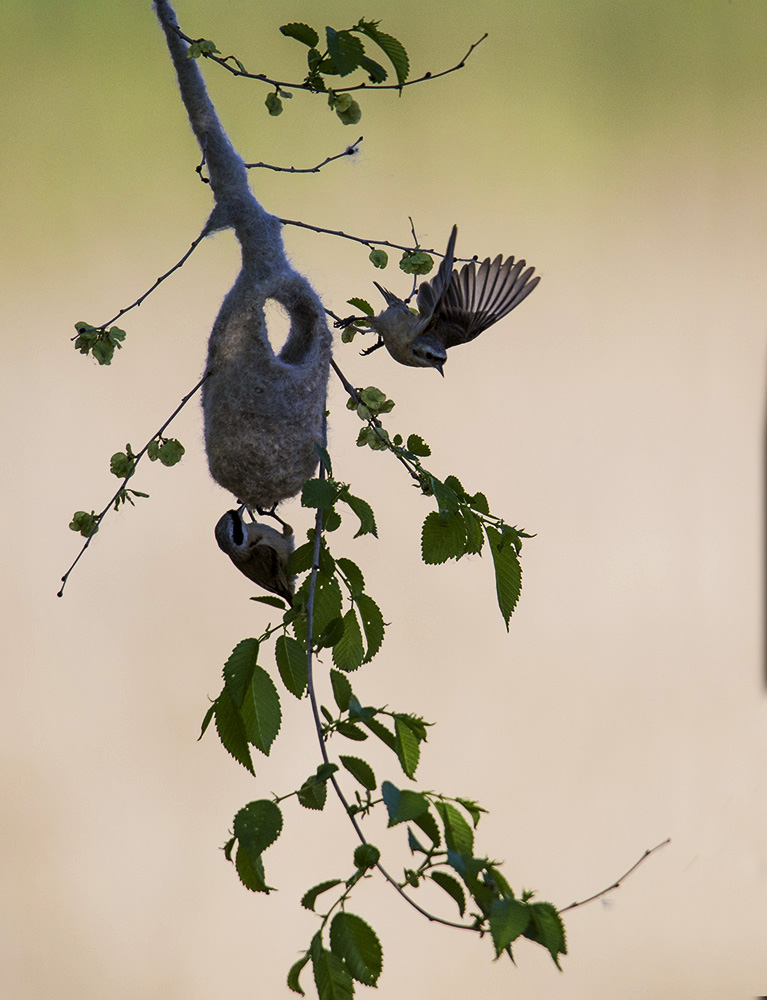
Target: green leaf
{"x":378,"y":258}
{"x":375,"y":70}
{"x":319,"y":493}
{"x":83,"y":522}
{"x":120,"y":465}
{"x":458,"y":834}
{"x":402,"y":804}
{"x":257,"y":825}
{"x":361,"y":770}
{"x":300,"y":559}
{"x":393,"y":48}
{"x":310,"y":898}
{"x":366,"y":856}
{"x":231,"y":731}
{"x":508,"y":919}
{"x":331,"y":519}
{"x":351,"y":732}
{"x":153,"y":450}
{"x":291,"y":663}
{"x":355,"y":941}
{"x":327,"y":605}
{"x":546,"y":928}
{"x":452,"y":887}
{"x":372,"y":623}
{"x":331,"y":634}
{"x":353,"y":575}
{"x":379,"y":729}
{"x":295,"y":972}
{"x":508,"y":572}
{"x":171,"y":452}
{"x":206,"y":721}
{"x":364,"y":512}
{"x":407,"y":746}
{"x":479,"y":502}
{"x":238,"y":669}
{"x":474,"y":810}
{"x":342,"y":689}
{"x":475,"y":538}
{"x":417,"y":446}
{"x":442,"y":538}
{"x":261,"y":711}
{"x":348,"y":653}
{"x":314,"y":791}
{"x":416,"y":262}
{"x":273,"y":104}
{"x":251,"y":871}
{"x":363,"y":305}
{"x":332,"y":980}
{"x":446,"y":496}
{"x":273,"y":602}
{"x":301,"y":32}
{"x":345,"y":50}
{"x":428,"y":824}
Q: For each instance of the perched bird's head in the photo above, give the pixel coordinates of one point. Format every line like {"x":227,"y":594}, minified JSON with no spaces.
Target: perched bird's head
{"x":259,"y":552}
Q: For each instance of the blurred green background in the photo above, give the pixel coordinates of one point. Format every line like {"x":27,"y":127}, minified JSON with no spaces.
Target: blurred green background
{"x":621,"y":148}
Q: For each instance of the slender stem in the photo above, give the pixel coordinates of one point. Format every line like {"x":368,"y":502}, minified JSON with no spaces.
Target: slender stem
{"x":349,"y":151}
{"x":283,"y":85}
{"x":123,"y":484}
{"x":367,"y":242}
{"x":617,"y":882}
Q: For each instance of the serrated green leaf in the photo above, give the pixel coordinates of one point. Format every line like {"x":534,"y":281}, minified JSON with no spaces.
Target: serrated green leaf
{"x":328,"y":601}
{"x":342,"y":689}
{"x":260,"y":711}
{"x":300,"y":559}
{"x":393,"y":48}
{"x":375,"y":70}
{"x":295,"y":972}
{"x":348,"y":653}
{"x":442,"y":538}
{"x":508,"y":572}
{"x":351,"y":732}
{"x":272,"y":602}
{"x":345,"y":50}
{"x":458,"y":834}
{"x":251,"y":871}
{"x":379,"y":729}
{"x":417,"y":446}
{"x":291,"y":663}
{"x":445,"y":495}
{"x":372,"y":623}
{"x":364,"y":512}
{"x":353,"y":575}
{"x":547,"y":929}
{"x":231,"y":731}
{"x":475,"y":537}
{"x":366,"y":856}
{"x":313,"y":795}
{"x":414,"y":844}
{"x":331,"y":634}
{"x":508,"y":920}
{"x":301,"y":32}
{"x":452,"y":887}
{"x":361,"y":770}
{"x":407,"y":747}
{"x":363,"y":305}
{"x":310,"y":898}
{"x":479,"y":502}
{"x":402,"y":804}
{"x":355,"y":941}
{"x":332,"y":980}
{"x":319,"y":493}
{"x":497,"y":880}
{"x":257,"y":825}
{"x":238,"y":669}
{"x":474,"y":810}
{"x":428,"y":824}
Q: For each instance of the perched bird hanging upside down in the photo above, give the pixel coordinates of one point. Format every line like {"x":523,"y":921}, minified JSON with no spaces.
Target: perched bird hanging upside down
{"x":453,"y":308}
{"x":259,"y":551}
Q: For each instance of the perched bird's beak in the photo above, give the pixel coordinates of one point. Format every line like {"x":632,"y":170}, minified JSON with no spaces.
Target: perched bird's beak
{"x":439,"y":369}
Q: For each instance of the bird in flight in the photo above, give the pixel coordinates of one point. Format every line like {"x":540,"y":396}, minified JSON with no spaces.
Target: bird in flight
{"x":453,"y":308}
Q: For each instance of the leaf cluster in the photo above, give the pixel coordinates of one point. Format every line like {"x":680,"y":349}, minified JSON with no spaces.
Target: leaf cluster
{"x":99,"y":342}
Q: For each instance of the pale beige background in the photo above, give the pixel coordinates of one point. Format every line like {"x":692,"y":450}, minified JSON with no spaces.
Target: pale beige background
{"x":619,"y":414}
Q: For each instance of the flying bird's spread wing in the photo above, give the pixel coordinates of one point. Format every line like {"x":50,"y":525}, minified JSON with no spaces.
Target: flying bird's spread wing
{"x":478,"y":297}
{"x":430,"y":292}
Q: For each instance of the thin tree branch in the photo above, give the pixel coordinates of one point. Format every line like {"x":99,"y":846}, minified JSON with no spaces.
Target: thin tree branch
{"x":367,"y":242}
{"x":239,"y":70}
{"x":148,"y":292}
{"x":123,"y":484}
{"x":349,"y":151}
{"x":616,"y":884}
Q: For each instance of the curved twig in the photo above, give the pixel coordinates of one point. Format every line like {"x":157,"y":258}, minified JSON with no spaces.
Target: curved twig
{"x":617,"y":882}
{"x":349,"y":151}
